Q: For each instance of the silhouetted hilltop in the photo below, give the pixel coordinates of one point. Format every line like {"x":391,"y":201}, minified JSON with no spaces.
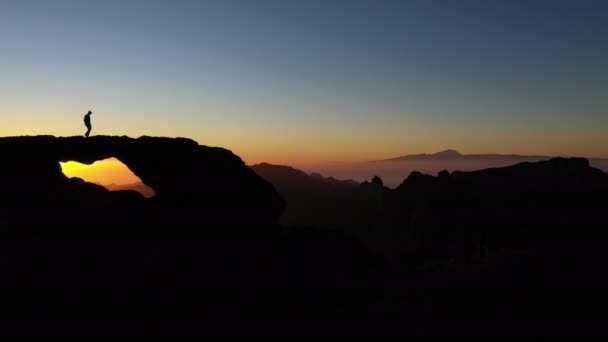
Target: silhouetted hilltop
{"x":338,"y":183}
{"x":140,"y":187}
{"x":288,"y":179}
{"x":450,"y":154}
{"x":191,"y":181}
{"x":512,"y":208}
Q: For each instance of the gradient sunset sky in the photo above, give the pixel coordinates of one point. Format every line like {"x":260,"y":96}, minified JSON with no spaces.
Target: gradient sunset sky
{"x":302,"y":82}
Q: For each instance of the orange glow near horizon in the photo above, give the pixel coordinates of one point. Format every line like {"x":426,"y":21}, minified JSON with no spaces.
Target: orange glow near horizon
{"x":103,"y":172}
{"x":110,"y":173}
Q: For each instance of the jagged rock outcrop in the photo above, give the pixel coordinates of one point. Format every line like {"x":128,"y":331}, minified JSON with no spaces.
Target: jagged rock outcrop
{"x":195,"y":185}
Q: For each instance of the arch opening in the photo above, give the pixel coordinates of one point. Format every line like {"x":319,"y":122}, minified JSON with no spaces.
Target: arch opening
{"x":110,"y":173}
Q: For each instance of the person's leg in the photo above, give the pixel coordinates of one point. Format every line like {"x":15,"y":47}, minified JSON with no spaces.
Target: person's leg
{"x":88,"y":131}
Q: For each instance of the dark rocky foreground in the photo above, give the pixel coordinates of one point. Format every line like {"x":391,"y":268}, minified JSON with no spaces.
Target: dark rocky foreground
{"x":509,"y":251}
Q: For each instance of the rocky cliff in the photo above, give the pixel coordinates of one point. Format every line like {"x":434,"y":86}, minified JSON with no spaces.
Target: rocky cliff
{"x":195,"y":185}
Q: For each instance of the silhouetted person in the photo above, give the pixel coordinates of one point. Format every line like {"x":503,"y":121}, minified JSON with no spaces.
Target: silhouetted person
{"x":87,"y":122}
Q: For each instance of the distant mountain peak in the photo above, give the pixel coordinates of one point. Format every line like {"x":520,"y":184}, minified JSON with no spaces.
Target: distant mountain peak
{"x":451,"y":154}
{"x":448,"y":152}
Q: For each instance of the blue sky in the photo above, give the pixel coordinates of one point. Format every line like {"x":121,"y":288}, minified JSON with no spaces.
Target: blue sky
{"x":299,"y":81}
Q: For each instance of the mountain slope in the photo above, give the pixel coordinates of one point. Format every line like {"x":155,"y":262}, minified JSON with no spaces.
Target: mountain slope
{"x":140,"y":187}
{"x":288,"y":179}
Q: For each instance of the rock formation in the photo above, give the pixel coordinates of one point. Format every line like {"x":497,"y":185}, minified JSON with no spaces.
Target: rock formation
{"x":195,"y":185}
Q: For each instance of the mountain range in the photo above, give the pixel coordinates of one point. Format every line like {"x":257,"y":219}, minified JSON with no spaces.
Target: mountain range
{"x":450,"y":154}
{"x":289,"y":179}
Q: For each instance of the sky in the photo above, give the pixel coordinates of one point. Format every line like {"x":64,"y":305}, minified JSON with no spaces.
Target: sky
{"x":308,"y":82}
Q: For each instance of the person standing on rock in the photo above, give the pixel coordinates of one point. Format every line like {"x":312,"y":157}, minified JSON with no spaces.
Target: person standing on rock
{"x":87,"y":122}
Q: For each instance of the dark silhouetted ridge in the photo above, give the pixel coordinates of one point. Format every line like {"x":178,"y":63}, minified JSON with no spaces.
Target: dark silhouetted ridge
{"x":140,"y":187}
{"x":288,"y":179}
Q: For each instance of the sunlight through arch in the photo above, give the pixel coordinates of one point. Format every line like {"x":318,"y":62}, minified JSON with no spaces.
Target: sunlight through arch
{"x":110,"y":173}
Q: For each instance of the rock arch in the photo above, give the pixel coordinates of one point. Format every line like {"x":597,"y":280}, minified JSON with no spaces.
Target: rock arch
{"x":188,"y":178}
